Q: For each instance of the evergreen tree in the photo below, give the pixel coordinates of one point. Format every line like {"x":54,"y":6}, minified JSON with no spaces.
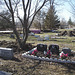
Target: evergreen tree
{"x":70,"y":21}
{"x":51,"y":20}
{"x":3,"y":23}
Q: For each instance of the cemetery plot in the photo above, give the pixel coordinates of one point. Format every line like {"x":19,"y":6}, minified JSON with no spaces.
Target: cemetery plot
{"x":52,"y":54}
{"x":24,"y":65}
{"x":53,"y":58}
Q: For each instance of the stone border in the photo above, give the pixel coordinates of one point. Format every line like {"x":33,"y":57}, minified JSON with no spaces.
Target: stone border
{"x":26,"y":55}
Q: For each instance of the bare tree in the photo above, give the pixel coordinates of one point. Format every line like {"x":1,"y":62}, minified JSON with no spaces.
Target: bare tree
{"x":72,"y":4}
{"x":39,"y":20}
{"x":30,"y":8}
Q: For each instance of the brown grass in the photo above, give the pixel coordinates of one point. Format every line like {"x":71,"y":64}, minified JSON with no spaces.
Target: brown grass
{"x":24,"y":66}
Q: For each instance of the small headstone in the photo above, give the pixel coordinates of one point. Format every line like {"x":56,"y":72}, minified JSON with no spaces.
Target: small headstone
{"x":58,"y":37}
{"x":31,"y":34}
{"x":40,"y":39}
{"x":56,"y":34}
{"x":53,"y":37}
{"x":41,"y":47}
{"x":37,"y":36}
{"x":12,"y":36}
{"x":6,"y":53}
{"x":66,"y":50}
{"x":5,"y":73}
{"x":73,"y":40}
{"x":21,"y":35}
{"x":46,"y":37}
{"x":54,"y":48}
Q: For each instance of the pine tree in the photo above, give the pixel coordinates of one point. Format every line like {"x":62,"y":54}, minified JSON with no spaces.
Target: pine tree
{"x":70,"y":21}
{"x":51,"y":20}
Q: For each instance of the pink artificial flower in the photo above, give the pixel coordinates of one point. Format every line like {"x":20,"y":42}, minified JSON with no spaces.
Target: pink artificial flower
{"x":48,"y":53}
{"x":64,"y":55}
{"x":34,"y":52}
{"x":61,"y":56}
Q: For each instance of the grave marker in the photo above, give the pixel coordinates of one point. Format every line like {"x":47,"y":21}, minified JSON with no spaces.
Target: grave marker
{"x":46,"y":37}
{"x":6,"y":53}
{"x":40,"y":39}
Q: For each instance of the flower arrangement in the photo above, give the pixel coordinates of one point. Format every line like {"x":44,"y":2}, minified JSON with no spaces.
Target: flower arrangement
{"x":63,"y":56}
{"x":34,"y":52}
{"x":48,"y":53}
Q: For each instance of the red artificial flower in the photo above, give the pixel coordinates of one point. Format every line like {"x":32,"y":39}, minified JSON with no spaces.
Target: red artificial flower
{"x":63,"y":56}
{"x":34,"y":52}
{"x":48,"y":53}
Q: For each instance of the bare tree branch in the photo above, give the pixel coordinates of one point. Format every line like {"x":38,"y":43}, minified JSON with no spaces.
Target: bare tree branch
{"x":7,"y":5}
{"x":29,"y":9}
{"x":23,"y":2}
{"x":19,"y":18}
{"x":36,"y":13}
{"x":16,"y":4}
{"x":72,"y":5}
{"x":28,"y":4}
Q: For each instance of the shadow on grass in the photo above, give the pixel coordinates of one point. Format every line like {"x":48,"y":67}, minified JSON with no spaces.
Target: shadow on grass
{"x":70,"y":67}
{"x":16,"y":59}
{"x":13,"y":59}
{"x":33,"y":68}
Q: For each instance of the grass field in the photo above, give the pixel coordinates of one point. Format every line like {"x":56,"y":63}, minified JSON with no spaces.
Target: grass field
{"x":61,"y":42}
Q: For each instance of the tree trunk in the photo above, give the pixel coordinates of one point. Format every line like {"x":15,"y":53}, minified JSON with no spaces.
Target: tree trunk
{"x":12,"y":7}
{"x":23,"y":43}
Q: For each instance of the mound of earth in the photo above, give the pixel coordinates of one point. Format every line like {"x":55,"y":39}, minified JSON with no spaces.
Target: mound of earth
{"x":14,"y":45}
{"x":69,"y":33}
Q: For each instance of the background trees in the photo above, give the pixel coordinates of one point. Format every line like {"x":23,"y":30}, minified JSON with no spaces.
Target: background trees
{"x":26,"y":11}
{"x":39,"y":20}
{"x":72,"y":4}
{"x":29,"y":10}
{"x":70,"y":21}
{"x":3,"y":23}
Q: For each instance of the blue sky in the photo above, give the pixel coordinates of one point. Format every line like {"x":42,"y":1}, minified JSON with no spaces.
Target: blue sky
{"x":64,"y":11}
